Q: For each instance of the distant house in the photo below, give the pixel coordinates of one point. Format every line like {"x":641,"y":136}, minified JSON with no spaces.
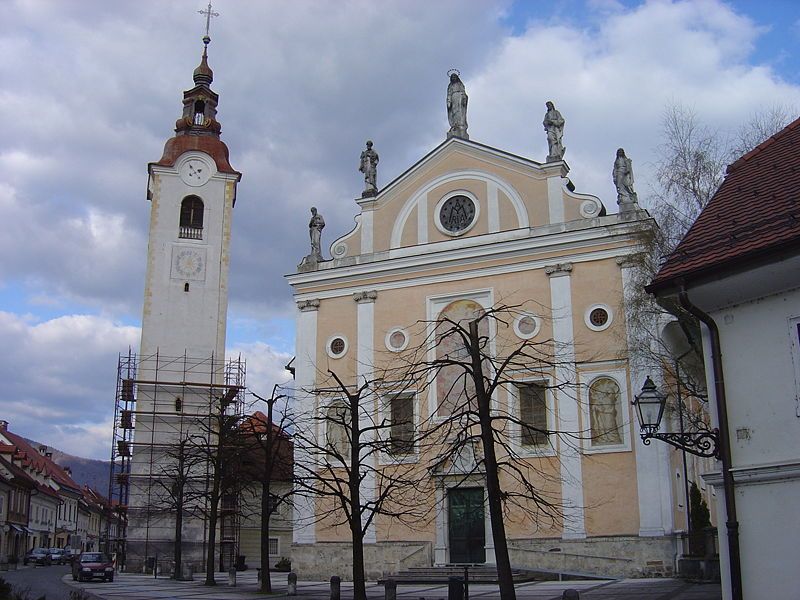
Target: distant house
{"x":47,"y":478}
{"x":256,"y":464}
{"x":738,"y":270}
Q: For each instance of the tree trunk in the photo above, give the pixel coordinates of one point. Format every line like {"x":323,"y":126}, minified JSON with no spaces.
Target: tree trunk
{"x":493,"y":491}
{"x":177,"y":556}
{"x":266,"y":583}
{"x":356,"y":527}
{"x":212,"y":528}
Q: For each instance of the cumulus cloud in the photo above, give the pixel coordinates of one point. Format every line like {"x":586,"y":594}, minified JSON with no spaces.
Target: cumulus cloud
{"x":92,"y":89}
{"x":59,"y":378}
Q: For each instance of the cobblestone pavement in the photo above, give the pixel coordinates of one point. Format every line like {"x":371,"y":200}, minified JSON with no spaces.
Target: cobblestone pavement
{"x":142,"y":587}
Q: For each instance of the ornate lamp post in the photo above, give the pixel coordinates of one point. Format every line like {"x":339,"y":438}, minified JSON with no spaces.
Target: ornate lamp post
{"x":650,"y":405}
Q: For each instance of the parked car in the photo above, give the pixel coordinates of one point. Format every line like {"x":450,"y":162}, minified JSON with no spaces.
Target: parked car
{"x":37,"y":556}
{"x":89,"y":565}
{"x":58,"y":556}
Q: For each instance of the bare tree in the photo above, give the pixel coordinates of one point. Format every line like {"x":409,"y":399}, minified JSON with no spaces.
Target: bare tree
{"x":269,"y":452}
{"x":476,"y":358}
{"x":345,"y":462}
{"x":176,"y":490}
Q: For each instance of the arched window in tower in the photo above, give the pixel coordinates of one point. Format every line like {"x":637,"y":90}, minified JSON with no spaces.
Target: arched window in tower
{"x":191,"y":225}
{"x":199,"y":112}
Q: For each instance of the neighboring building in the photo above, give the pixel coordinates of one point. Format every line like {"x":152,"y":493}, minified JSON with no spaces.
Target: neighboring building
{"x":467,"y":228}
{"x":20,"y":486}
{"x":739,"y":264}
{"x":172,"y":389}
{"x":249,"y":509}
{"x":48,"y":478}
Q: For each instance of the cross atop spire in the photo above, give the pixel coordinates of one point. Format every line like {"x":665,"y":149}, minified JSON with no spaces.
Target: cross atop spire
{"x":208,"y":13}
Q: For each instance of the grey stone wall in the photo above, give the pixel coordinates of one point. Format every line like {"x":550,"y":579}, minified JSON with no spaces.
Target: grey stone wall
{"x":609,"y":556}
{"x":319,"y":561}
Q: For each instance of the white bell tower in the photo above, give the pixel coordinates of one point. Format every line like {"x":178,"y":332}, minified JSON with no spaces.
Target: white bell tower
{"x":168,"y":396}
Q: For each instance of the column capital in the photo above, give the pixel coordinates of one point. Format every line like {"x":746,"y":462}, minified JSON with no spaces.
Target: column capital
{"x":628,"y":260}
{"x":367,"y":296}
{"x":308,"y":305}
{"x":558,"y":270}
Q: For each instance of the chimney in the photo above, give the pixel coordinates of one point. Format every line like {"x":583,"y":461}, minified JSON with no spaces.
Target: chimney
{"x":67,"y":470}
{"x":3,"y":425}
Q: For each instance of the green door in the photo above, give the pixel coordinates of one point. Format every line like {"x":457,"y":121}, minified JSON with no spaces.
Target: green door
{"x":467,"y":531}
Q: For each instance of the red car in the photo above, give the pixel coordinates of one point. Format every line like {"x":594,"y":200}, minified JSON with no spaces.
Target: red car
{"x":89,"y":565}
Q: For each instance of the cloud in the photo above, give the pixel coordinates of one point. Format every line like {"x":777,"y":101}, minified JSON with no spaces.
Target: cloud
{"x":91,"y":91}
{"x":59,"y":378}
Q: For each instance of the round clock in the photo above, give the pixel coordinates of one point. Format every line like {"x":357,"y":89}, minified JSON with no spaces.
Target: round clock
{"x":189,"y":264}
{"x":195,"y":172}
{"x":457,"y":214}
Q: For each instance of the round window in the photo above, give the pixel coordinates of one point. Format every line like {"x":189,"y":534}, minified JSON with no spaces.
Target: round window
{"x":396,"y":340}
{"x":337,"y":346}
{"x":526,"y":326}
{"x":598,"y":317}
{"x":457,"y":214}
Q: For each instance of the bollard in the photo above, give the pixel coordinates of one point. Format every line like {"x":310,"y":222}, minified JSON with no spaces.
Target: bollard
{"x":336,"y":588}
{"x":455,"y":588}
{"x":390,"y":589}
{"x":570,"y":594}
{"x":232,"y":577}
{"x":292,"y":586}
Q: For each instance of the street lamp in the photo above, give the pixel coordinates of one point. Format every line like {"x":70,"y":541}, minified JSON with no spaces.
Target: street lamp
{"x":650,"y":405}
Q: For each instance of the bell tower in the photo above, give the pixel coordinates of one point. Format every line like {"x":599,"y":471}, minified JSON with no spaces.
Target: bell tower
{"x":167,"y":396}
{"x":192,"y":190}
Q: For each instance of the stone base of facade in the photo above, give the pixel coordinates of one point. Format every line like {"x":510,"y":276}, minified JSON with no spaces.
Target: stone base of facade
{"x":321,"y":560}
{"x":608,"y":556}
{"x":140,"y":556}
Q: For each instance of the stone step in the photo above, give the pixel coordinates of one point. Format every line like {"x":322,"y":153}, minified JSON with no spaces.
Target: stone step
{"x":440,"y":574}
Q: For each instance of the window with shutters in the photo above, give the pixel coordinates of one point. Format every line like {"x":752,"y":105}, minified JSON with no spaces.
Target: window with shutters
{"x":533,"y":414}
{"x":401,"y":418}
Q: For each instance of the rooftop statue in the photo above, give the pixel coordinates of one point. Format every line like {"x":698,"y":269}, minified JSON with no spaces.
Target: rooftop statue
{"x":623,"y":180}
{"x":554,"y":126}
{"x":457,"y":107}
{"x":369,"y":167}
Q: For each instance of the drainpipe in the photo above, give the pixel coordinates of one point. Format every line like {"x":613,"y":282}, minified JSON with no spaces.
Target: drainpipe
{"x":731,"y":523}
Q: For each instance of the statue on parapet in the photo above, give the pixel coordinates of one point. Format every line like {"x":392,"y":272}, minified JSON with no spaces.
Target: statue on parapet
{"x":554,"y":127}
{"x":369,"y":167}
{"x":457,"y":106}
{"x":623,"y":180}
{"x":315,"y":227}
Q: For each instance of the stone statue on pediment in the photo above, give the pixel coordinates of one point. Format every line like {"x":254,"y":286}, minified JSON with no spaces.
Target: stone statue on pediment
{"x":457,"y":107}
{"x":623,"y":180}
{"x":315,"y":227}
{"x":369,"y":167}
{"x":554,"y":127}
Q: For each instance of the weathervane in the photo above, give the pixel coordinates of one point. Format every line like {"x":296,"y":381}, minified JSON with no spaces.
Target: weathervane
{"x":208,"y":13}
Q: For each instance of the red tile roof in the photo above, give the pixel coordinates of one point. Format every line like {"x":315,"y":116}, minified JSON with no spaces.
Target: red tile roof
{"x":40,"y":462}
{"x":754,"y":214}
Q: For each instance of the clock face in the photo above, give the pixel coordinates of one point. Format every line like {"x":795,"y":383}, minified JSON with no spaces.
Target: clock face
{"x":195,"y":172}
{"x":188,"y":263}
{"x":457,"y":214}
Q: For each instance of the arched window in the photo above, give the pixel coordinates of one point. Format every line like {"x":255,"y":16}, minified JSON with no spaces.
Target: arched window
{"x":191,"y":225}
{"x":199,"y":112}
{"x":336,"y":432}
{"x":605,"y":412}
{"x":455,"y":389}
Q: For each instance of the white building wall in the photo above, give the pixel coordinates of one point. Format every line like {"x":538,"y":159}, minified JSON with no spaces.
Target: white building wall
{"x":762,"y":400}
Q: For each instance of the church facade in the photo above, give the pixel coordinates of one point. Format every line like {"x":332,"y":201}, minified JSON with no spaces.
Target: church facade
{"x":472,"y":227}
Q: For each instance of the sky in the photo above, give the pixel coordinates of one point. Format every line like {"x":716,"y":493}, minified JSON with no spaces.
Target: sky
{"x":91,"y":90}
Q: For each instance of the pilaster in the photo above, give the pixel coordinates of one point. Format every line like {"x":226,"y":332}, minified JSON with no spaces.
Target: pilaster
{"x":365,"y":306}
{"x":305,"y":376}
{"x":652,"y":462}
{"x":566,"y":400}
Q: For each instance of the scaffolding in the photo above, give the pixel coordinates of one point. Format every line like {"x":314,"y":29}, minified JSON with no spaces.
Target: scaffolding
{"x":161,"y":400}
